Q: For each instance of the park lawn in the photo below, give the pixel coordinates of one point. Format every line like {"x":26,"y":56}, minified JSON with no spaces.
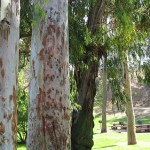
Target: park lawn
{"x":21,"y":147}
{"x":113,"y":140}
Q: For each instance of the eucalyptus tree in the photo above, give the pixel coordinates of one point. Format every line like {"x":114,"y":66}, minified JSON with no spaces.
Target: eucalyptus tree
{"x":85,"y":17}
{"x":49,"y":106}
{"x":127,"y":42}
{"x":104,"y":102}
{"x":88,"y":44}
{"x":9,"y":40}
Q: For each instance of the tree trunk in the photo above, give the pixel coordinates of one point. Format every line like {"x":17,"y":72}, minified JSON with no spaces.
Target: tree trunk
{"x":9,"y":41}
{"x":104,"y":103}
{"x":129,"y":106}
{"x":82,"y":121}
{"x":49,"y":106}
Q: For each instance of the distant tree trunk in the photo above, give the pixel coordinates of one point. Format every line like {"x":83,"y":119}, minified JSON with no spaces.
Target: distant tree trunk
{"x":129,"y":106}
{"x":82,"y":121}
{"x":49,"y":106}
{"x":104,"y":103}
{"x":9,"y":41}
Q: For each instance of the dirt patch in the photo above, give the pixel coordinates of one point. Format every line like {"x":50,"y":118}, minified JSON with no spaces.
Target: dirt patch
{"x":141,"y":103}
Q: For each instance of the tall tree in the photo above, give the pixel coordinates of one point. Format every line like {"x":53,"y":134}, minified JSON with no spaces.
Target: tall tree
{"x":9,"y":41}
{"x":85,"y":73}
{"x":49,"y":106}
{"x":129,"y":105}
{"x":104,"y":103}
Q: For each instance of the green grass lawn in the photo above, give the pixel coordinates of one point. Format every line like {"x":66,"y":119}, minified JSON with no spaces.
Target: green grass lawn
{"x":113,"y":140}
{"x":118,"y":141}
{"x":21,"y":147}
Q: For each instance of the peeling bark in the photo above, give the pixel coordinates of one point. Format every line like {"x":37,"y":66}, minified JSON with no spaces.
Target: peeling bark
{"x":49,"y":106}
{"x":9,"y":41}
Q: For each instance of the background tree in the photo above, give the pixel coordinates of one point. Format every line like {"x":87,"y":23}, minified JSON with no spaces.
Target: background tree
{"x":128,"y":42}
{"x":104,"y":103}
{"x":9,"y":43}
{"x":22,"y":103}
{"x":85,"y":54}
{"x":23,"y":74}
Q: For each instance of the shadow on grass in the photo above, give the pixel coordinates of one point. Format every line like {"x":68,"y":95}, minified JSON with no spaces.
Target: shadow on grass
{"x":105,"y":146}
{"x":97,"y":115}
{"x":95,"y":133}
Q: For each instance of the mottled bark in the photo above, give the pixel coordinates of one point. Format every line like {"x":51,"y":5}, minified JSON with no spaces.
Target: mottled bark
{"x":104,"y":102}
{"x":82,"y":121}
{"x":129,"y":106}
{"x":49,"y":105}
{"x":9,"y":41}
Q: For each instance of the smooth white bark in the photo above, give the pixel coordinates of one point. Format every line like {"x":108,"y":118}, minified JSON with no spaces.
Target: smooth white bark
{"x":9,"y":40}
{"x":129,"y":106}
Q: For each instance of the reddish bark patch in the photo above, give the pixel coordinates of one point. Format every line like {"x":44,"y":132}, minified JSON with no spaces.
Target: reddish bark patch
{"x":14,"y":125}
{"x":16,"y":48}
{"x":33,"y":66}
{"x":16,"y":79}
{"x":41,"y":54}
{"x":9,"y":116}
{"x":2,"y":128}
{"x":67,"y":116}
{"x":1,"y":62}
{"x":62,"y":82}
{"x":49,"y":91}
{"x":10,"y":97}
{"x":6,"y":34}
{"x":41,"y":101}
{"x":44,"y":125}
{"x":3,"y":73}
{"x":60,"y":99}
{"x":52,"y":77}
{"x":14,"y":95}
{"x":57,"y":92}
{"x":52,"y":26}
{"x":58,"y":32}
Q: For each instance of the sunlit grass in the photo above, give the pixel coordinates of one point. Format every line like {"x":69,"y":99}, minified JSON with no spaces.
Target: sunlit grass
{"x":21,"y":147}
{"x":113,"y":140}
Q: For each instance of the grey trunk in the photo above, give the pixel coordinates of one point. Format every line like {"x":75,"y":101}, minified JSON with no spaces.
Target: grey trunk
{"x":129,"y":106}
{"x":104,"y":102}
{"x":82,"y":121}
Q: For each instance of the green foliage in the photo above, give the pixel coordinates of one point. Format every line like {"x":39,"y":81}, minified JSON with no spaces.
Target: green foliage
{"x":21,"y":147}
{"x":73,"y":93}
{"x":23,"y":85}
{"x":115,"y":79}
{"x":26,"y":17}
{"x":24,"y":52}
{"x":144,"y":77}
{"x":39,"y":14}
{"x":98,"y":96}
